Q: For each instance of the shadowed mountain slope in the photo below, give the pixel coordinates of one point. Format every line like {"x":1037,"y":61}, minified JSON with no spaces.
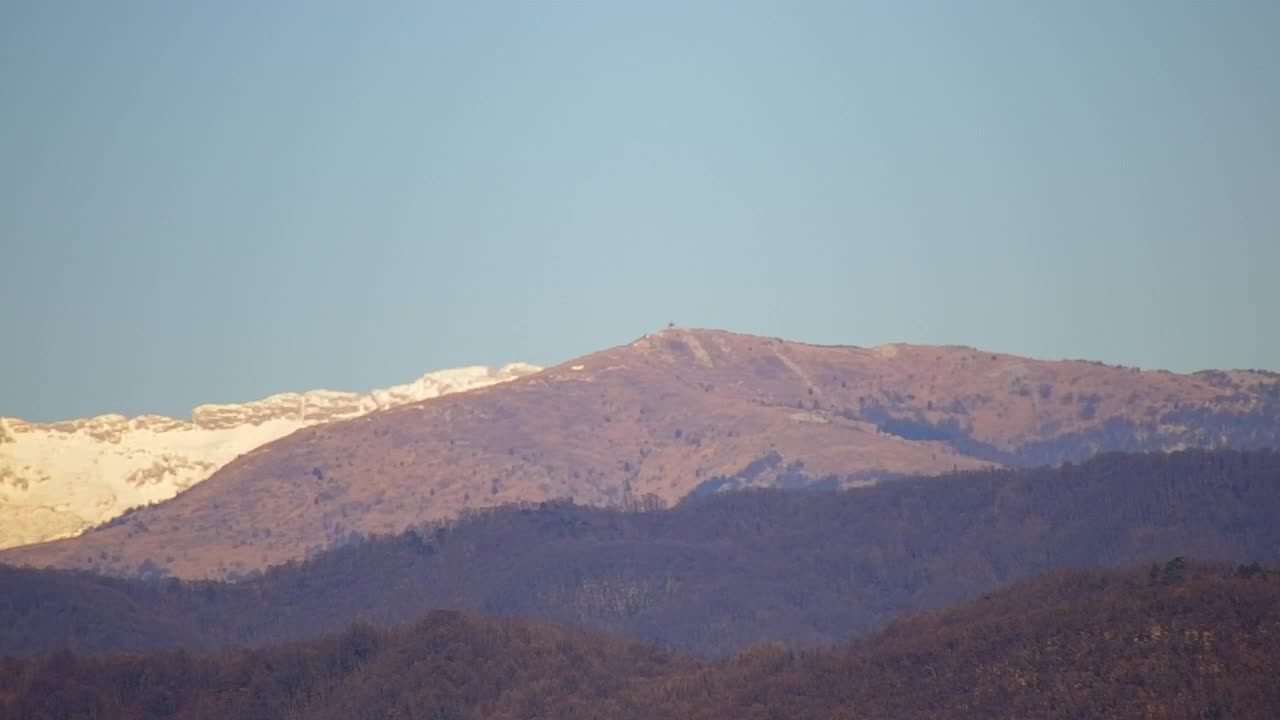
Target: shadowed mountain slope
{"x":674,"y":413}
{"x":709,"y":576}
{"x":1176,"y":641}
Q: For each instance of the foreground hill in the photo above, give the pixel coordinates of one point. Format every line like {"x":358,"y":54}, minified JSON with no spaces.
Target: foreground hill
{"x":57,"y":479}
{"x":445,"y":666}
{"x":675,"y":413}
{"x":709,"y":576}
{"x":1174,"y":641}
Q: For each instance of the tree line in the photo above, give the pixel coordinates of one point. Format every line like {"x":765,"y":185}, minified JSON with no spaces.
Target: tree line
{"x":1178,"y":640}
{"x":709,"y":576}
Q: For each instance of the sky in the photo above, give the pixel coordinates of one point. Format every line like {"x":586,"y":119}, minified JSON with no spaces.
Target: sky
{"x":212,"y":202}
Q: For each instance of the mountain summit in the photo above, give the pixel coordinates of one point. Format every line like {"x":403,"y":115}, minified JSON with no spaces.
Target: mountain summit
{"x":672,"y":414}
{"x":56,"y":479}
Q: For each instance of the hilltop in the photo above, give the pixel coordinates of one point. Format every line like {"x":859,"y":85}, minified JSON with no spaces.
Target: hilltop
{"x":673,"y":414}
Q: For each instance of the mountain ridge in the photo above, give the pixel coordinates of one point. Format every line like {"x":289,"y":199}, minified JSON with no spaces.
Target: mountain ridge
{"x":673,"y":413}
{"x":59,"y":478}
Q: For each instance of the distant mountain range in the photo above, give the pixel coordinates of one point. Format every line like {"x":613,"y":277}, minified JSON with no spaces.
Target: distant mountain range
{"x":56,"y":479}
{"x":672,"y":414}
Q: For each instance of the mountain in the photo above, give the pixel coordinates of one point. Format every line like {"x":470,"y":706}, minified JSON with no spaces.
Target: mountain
{"x":57,"y":479}
{"x":709,"y":576}
{"x":671,"y":414}
{"x":1176,"y":640}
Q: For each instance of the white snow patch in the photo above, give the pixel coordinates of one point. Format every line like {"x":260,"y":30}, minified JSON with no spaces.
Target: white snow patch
{"x":64,"y":477}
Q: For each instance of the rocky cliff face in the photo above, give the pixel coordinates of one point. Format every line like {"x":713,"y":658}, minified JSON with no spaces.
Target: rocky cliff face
{"x":56,"y":479}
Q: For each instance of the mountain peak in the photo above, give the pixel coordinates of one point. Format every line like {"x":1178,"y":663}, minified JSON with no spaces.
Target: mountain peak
{"x":674,"y":413}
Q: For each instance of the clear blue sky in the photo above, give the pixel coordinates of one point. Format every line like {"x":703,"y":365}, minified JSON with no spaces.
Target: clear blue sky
{"x":213,"y":201}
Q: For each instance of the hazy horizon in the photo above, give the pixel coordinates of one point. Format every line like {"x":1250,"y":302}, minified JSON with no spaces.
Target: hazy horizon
{"x":186,"y":413}
{"x":213,"y":203}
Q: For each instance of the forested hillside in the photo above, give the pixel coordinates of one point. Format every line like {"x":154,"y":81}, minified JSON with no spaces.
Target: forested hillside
{"x":1174,"y":640}
{"x":708,"y":576}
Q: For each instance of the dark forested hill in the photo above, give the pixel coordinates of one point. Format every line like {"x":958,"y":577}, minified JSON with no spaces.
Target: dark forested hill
{"x":1175,"y":640}
{"x":672,"y":414}
{"x":445,"y":666}
{"x":709,"y":576}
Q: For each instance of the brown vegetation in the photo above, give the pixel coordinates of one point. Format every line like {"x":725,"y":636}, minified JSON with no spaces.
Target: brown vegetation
{"x":709,"y":576}
{"x":1176,"y":641}
{"x":671,"y":414}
